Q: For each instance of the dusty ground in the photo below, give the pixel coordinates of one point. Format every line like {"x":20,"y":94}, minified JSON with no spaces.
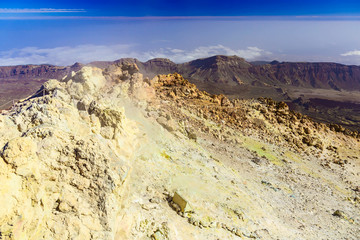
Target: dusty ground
{"x":241,"y":182}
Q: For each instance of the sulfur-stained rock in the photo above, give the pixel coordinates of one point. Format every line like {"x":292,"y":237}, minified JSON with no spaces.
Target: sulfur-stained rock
{"x":108,"y":117}
{"x":107,"y":132}
{"x":85,"y":82}
{"x":19,"y":151}
{"x":181,"y":202}
{"x":191,"y":134}
{"x":60,"y":178}
{"x":169,"y":125}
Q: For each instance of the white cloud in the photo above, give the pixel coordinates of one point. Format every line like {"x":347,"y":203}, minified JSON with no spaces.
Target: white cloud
{"x":176,"y":50}
{"x":87,"y":53}
{"x":62,"y":55}
{"x":351,"y":53}
{"x":178,"y":55}
{"x":39,"y":10}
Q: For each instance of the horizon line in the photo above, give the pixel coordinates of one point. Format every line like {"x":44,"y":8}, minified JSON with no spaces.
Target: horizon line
{"x":144,"y":18}
{"x":144,"y":61}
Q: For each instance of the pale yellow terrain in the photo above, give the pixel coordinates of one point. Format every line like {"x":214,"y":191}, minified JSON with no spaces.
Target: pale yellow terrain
{"x":101,"y":155}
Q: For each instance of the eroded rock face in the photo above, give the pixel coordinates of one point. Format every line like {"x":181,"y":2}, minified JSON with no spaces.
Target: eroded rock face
{"x":111,"y":155}
{"x":61,"y":176}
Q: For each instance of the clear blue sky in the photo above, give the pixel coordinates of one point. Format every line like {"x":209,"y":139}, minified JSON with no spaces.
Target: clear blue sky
{"x":63,"y":32}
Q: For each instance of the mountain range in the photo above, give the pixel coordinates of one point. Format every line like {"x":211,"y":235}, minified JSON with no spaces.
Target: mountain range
{"x":233,"y":70}
{"x":229,"y":70}
{"x":315,"y":89}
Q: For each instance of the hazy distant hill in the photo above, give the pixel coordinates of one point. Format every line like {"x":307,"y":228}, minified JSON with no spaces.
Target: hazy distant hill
{"x":233,"y":70}
{"x":230,"y":70}
{"x":38,"y":72}
{"x":317,"y":75}
{"x":20,"y":81}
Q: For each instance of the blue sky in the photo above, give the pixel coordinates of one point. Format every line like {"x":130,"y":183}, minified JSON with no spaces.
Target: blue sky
{"x":63,"y":32}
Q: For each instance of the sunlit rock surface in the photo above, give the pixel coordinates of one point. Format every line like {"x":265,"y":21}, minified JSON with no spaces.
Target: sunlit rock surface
{"x":107,"y":154}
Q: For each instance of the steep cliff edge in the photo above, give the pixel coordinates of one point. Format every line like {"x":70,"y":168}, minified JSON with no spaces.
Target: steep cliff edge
{"x":107,"y":154}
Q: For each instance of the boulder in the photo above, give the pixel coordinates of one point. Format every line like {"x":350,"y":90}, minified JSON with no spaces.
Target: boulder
{"x":169,"y":125}
{"x":181,"y":202}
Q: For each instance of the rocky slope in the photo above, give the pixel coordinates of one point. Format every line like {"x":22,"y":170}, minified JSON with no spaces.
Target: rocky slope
{"x":109,"y":154}
{"x":306,"y":87}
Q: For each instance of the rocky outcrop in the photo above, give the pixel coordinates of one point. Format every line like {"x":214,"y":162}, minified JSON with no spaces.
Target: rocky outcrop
{"x":235,"y":112}
{"x":61,"y":170}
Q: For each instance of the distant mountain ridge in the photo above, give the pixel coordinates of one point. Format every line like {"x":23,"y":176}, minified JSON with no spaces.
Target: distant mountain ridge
{"x":230,"y":70}
{"x":18,"y":82}
{"x":316,"y":75}
{"x":219,"y":73}
{"x":233,"y":70}
{"x":39,"y":72}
